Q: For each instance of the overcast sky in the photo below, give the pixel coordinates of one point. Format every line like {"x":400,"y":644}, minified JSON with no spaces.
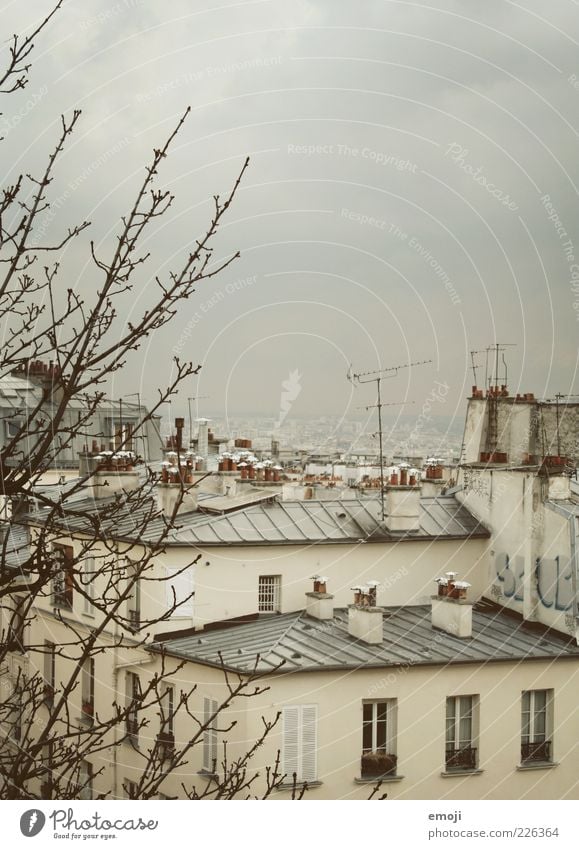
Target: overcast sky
{"x":395,"y":209}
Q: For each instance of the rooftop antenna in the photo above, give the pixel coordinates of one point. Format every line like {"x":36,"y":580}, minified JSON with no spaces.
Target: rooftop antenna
{"x":474,"y":366}
{"x":496,"y":349}
{"x":377,"y":377}
{"x":193,"y":398}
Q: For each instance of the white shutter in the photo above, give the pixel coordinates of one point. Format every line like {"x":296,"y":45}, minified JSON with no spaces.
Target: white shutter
{"x":210,"y":736}
{"x":309,"y":743}
{"x":300,"y":742}
{"x":291,"y":745}
{"x":183,"y":586}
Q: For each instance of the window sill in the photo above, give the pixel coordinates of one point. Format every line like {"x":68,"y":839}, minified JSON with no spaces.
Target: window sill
{"x":210,"y":776}
{"x":537,"y":765}
{"x":458,"y":773}
{"x":379,"y":779}
{"x":298,"y":785}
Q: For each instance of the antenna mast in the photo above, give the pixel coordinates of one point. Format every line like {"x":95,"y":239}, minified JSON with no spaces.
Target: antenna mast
{"x":377,"y":377}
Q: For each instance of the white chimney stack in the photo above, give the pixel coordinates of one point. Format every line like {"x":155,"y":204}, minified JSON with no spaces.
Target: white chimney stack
{"x":402,"y":502}
{"x":451,"y":610}
{"x":320,"y":604}
{"x":364,"y":618}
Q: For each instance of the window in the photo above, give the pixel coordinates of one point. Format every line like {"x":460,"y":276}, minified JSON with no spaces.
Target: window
{"x":134,"y":599}
{"x":121,"y":434}
{"x":85,"y":779}
{"x":460,"y":752}
{"x":63,"y":582}
{"x":133,"y":693}
{"x":299,"y":750}
{"x":130,"y":788}
{"x":269,"y":593}
{"x":47,"y":785}
{"x":378,"y":738}
{"x":49,"y":673}
{"x":87,"y":684}
{"x":88,"y":576}
{"x":210,"y":707}
{"x":16,"y":625}
{"x":166,"y":737}
{"x":536,"y":726}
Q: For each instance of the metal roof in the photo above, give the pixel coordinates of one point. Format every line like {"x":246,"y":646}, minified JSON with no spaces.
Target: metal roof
{"x":274,"y":523}
{"x":307,"y":644}
{"x":325,"y":522}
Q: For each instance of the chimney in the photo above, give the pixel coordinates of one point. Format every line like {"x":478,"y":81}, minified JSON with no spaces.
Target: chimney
{"x":402,"y":502}
{"x":320,"y":604}
{"x":451,"y":610}
{"x":364,"y":618}
{"x":112,"y":472}
{"x":203,"y":439}
{"x":176,"y":484}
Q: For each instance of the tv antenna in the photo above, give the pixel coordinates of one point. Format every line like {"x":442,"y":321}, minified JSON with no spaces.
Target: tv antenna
{"x":496,"y":349}
{"x":377,"y":377}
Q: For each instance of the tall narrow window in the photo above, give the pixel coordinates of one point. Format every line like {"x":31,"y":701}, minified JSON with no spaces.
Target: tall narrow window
{"x":16,"y":625}
{"x":85,"y":780}
{"x":378,"y":738}
{"x":134,"y":598}
{"x":268,"y":598}
{"x":536,"y":726}
{"x":460,"y":733}
{"x":88,"y":578}
{"x":88,"y":689}
{"x":63,"y":582}
{"x":167,"y":729}
{"x":299,"y":749}
{"x":133,"y":692}
{"x":210,"y":707}
{"x":49,"y":673}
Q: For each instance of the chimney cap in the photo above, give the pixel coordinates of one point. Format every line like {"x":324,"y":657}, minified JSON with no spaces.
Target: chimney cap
{"x":462,"y":585}
{"x":373,"y":583}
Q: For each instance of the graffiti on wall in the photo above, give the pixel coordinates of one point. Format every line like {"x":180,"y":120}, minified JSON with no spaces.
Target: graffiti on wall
{"x":552,"y":580}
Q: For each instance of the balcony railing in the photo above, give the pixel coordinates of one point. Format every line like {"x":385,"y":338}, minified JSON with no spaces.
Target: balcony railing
{"x":464,"y":758}
{"x":166,"y":741}
{"x":533,"y":752}
{"x":132,"y":726}
{"x":375,"y":764}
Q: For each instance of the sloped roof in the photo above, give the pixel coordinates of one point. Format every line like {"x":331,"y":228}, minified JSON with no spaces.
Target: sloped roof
{"x":306,"y":644}
{"x":277,"y":522}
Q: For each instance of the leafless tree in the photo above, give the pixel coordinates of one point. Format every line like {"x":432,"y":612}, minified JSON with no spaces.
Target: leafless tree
{"x":43,"y":746}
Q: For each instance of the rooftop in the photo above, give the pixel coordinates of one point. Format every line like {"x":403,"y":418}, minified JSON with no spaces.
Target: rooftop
{"x":308,"y":645}
{"x":273,"y":522}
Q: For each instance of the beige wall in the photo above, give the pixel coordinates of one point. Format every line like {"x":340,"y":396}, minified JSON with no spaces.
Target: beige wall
{"x":226,"y":579}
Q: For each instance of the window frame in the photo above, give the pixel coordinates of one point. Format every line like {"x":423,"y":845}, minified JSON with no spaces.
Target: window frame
{"x":380,"y":757}
{"x":538,"y":750}
{"x":63,"y":579}
{"x":269,"y":594}
{"x":87,"y":689}
{"x":88,"y":576}
{"x":461,"y":750}
{"x":49,"y":673}
{"x":132,"y":693}
{"x":134,"y":598}
{"x":210,"y":756}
